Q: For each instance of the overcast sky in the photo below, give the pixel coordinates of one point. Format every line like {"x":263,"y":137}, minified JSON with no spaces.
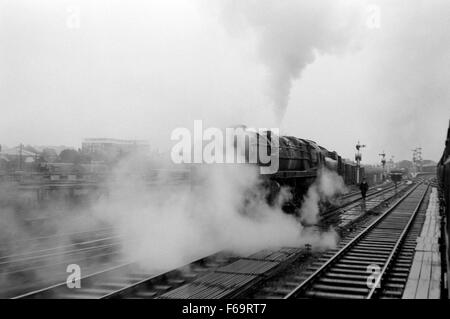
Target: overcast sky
{"x":331,"y":71}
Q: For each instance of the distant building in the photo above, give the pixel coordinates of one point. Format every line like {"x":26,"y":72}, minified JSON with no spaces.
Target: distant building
{"x":49,"y":155}
{"x":17,"y":158}
{"x":4,"y":163}
{"x":111,"y":148}
{"x":429,"y":168}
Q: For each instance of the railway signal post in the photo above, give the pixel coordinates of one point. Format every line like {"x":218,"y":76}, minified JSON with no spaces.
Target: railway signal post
{"x":383,"y":164}
{"x":358,"y":158}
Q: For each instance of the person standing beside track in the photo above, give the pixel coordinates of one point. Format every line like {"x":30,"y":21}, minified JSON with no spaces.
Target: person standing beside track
{"x":364,"y":187}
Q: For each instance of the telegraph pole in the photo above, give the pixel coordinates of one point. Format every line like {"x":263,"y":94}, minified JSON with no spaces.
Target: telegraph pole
{"x":414,"y":161}
{"x":417,"y":159}
{"x":20,"y":156}
{"x":358,"y":158}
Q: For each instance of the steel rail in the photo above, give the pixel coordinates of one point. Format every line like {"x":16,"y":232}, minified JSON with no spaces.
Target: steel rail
{"x":297,"y":290}
{"x":381,"y":277}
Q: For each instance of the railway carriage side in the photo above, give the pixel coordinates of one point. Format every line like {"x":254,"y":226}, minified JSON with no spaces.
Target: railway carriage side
{"x":443,"y":176}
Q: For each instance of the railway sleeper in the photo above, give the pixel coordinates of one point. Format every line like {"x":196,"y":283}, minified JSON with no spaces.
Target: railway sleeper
{"x":343,"y":282}
{"x":332,"y":288}
{"x":333,"y":295}
{"x":362,"y":257}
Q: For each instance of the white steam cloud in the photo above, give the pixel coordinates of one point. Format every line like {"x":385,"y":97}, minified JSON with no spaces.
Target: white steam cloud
{"x":290,"y":34}
{"x":225,"y":209}
{"x":325,"y":189}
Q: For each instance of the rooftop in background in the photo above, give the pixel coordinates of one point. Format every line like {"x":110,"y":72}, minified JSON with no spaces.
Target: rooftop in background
{"x":114,"y":141}
{"x":17,"y":151}
{"x":110,"y":148}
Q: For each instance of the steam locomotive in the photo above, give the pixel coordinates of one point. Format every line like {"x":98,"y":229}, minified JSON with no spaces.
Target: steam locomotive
{"x":301,"y":160}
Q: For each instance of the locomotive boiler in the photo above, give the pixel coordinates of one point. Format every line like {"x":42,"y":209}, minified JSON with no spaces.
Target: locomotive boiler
{"x":300,"y":161}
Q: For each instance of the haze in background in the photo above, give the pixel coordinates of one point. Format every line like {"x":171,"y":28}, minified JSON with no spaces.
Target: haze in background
{"x":377,"y":71}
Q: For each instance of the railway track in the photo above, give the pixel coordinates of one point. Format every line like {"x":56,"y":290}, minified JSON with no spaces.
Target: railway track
{"x":130,"y":281}
{"x":39,"y":243}
{"x":349,"y":213}
{"x":246,"y":273}
{"x":27,"y":270}
{"x":363,"y":265}
{"x":371,"y":264}
{"x":356,"y":195}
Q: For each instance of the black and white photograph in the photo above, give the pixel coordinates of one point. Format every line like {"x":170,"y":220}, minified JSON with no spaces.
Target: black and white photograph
{"x":247,"y":150}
